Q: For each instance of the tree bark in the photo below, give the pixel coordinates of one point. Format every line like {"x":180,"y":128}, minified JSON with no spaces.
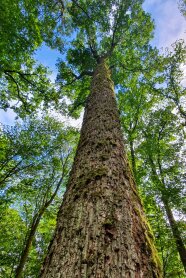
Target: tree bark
{"x":101,"y":228}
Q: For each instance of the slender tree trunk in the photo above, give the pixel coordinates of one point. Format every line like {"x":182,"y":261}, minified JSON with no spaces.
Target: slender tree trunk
{"x":34,"y":226}
{"x":133,"y":159}
{"x":176,"y":233}
{"x":173,"y":225}
{"x":101,"y":228}
{"x":26,"y":250}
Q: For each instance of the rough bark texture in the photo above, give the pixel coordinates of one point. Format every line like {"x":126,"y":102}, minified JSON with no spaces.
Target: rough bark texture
{"x":101,"y":229}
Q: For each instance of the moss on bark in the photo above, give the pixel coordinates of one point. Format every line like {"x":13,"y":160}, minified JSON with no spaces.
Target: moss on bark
{"x":101,"y":228}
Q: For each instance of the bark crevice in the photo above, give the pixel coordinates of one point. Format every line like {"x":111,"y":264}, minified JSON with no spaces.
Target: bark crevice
{"x":101,"y":228}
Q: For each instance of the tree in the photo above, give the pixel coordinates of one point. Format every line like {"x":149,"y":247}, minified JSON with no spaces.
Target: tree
{"x":148,"y":115}
{"x":101,"y":228}
{"x":11,"y":234}
{"x":175,"y":92}
{"x":97,"y":222}
{"x":166,"y":169}
{"x":25,"y":25}
{"x":34,"y":186}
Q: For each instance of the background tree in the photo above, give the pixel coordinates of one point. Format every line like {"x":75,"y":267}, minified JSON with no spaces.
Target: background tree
{"x":174,"y":76}
{"x":25,"y":25}
{"x":141,"y":94}
{"x":44,"y":150}
{"x":166,"y":169}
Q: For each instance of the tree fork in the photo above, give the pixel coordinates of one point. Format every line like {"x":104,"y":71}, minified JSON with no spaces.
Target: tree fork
{"x":101,"y":227}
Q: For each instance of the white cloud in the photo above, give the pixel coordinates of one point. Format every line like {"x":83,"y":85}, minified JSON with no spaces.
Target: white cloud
{"x":68,"y":121}
{"x":170,"y":25}
{"x":75,"y":122}
{"x":7,"y":117}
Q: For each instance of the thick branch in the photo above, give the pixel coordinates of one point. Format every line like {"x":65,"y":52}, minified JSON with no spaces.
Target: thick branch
{"x":78,"y":77}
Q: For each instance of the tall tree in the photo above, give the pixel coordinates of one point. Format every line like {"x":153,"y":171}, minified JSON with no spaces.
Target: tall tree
{"x":175,"y":90}
{"x":101,"y":227}
{"x":166,"y":169}
{"x":147,"y":105}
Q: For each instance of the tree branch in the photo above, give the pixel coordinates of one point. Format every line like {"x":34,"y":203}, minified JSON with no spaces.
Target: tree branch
{"x":77,"y":77}
{"x":87,"y":15}
{"x":18,"y":91}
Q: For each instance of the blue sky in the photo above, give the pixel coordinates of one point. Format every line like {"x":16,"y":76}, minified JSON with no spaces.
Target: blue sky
{"x":170,"y":26}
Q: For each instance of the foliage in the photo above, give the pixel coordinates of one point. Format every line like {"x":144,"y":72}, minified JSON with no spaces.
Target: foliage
{"x":35,"y":161}
{"x":151,"y":99}
{"x":100,"y":31}
{"x":11,"y":239}
{"x":25,"y":25}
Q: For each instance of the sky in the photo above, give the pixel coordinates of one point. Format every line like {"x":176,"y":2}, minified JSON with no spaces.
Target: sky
{"x":170,"y":26}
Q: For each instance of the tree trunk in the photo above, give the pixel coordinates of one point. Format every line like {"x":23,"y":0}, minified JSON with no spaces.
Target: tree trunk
{"x":133,"y":159}
{"x":173,"y":225}
{"x":101,"y":228}
{"x":27,"y":247}
{"x":176,"y":233}
{"x":34,"y":226}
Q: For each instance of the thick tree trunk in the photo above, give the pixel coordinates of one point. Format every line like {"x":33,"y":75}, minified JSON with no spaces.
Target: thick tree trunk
{"x":101,"y":229}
